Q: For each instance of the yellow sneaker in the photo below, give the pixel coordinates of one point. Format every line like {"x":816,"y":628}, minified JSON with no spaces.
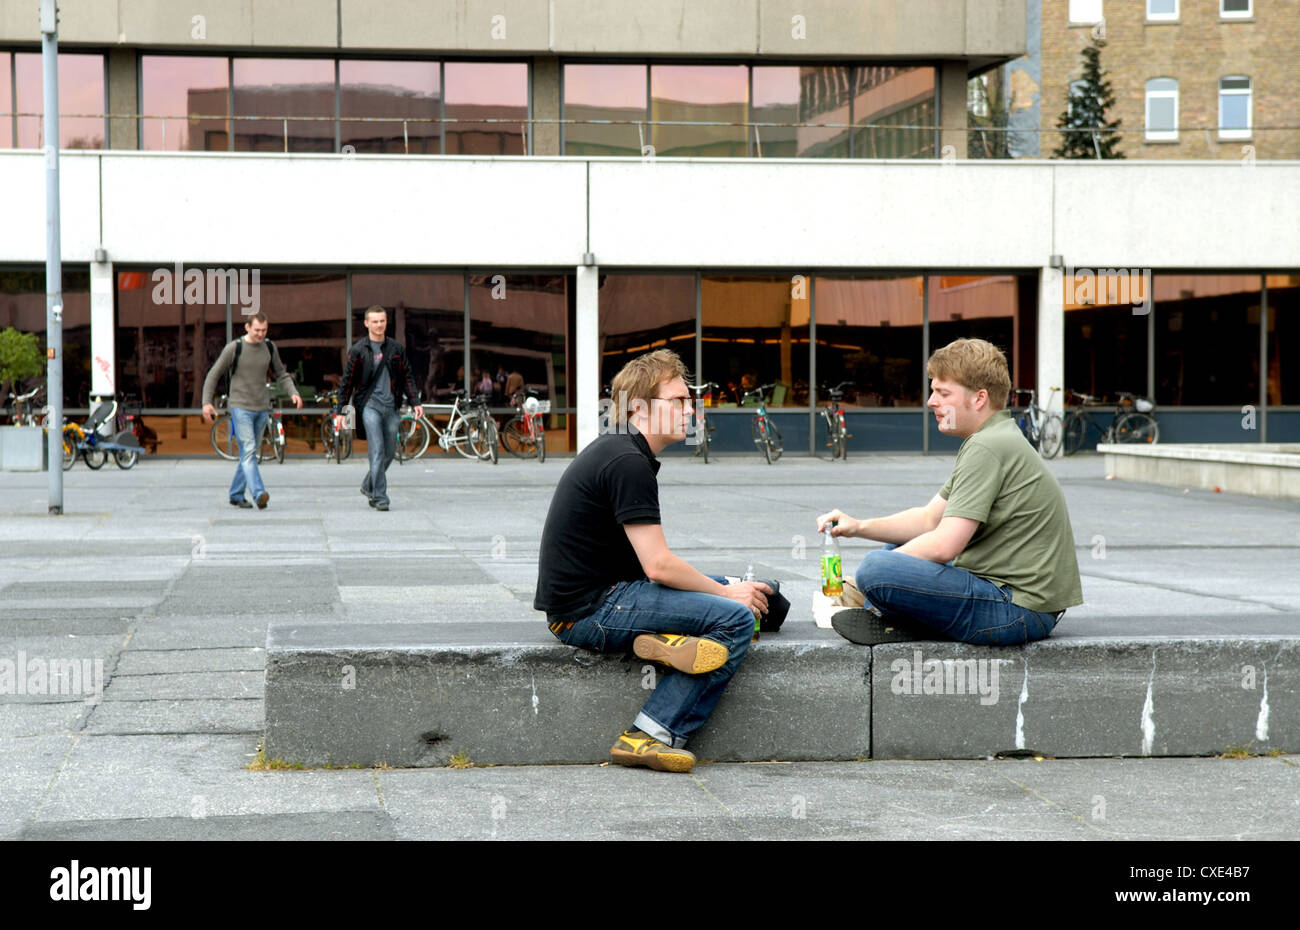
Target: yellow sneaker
{"x":688,"y":654}
{"x":637,"y":748}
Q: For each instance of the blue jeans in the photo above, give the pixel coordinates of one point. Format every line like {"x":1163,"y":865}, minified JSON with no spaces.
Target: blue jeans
{"x":248,"y":426}
{"x":948,"y":600}
{"x":381,"y":439}
{"x":680,"y":703}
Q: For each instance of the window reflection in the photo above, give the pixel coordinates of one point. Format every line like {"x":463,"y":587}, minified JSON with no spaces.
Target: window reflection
{"x":869,"y":332}
{"x":397,"y":90}
{"x":280,"y":87}
{"x":520,"y":323}
{"x":700,"y":93}
{"x":643,"y":312}
{"x":1207,"y":339}
{"x":81,"y":91}
{"x":185,"y":88}
{"x":754,"y":332}
{"x":7,"y":108}
{"x":801,"y":95}
{"x":22,"y":306}
{"x":426,"y":313}
{"x":1105,"y":342}
{"x":996,"y":308}
{"x":604,"y":92}
{"x":887,"y":96}
{"x":481,"y":91}
{"x":1283,"y":338}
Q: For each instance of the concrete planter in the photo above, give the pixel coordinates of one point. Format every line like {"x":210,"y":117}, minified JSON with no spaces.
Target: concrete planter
{"x":22,"y":448}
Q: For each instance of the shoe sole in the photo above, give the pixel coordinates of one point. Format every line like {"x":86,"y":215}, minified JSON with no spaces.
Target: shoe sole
{"x":660,"y":762}
{"x":262,"y":500}
{"x":697,"y":658}
{"x":867,"y":628}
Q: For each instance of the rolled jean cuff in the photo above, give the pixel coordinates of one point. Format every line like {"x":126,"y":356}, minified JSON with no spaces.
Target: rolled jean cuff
{"x":652,"y":727}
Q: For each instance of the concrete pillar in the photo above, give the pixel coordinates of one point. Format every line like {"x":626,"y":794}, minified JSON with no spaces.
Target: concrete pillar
{"x":952,"y":107}
{"x":1051,"y":340}
{"x":587,"y":355}
{"x":122,"y":98}
{"x":103,"y":362}
{"x":546,"y":105}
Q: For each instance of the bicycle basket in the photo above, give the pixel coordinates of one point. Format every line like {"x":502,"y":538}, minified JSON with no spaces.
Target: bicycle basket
{"x":1143,"y":405}
{"x":533,"y":405}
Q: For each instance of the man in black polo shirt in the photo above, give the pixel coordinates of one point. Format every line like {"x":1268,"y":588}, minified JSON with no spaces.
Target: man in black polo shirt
{"x":608,"y":581}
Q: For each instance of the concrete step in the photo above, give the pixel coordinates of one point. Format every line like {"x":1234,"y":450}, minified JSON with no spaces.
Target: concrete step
{"x":417,"y":694}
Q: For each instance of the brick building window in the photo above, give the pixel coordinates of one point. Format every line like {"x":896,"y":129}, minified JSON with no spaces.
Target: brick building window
{"x":1085,"y":11}
{"x":1234,"y":108}
{"x":1162,"y":10}
{"x":1236,"y":9}
{"x":1162,"y":110}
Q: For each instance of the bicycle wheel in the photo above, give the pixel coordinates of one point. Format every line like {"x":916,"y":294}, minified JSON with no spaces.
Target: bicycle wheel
{"x":69,"y":453}
{"x":278,"y":439}
{"x":266,"y":448}
{"x":1076,"y":429}
{"x":125,"y":460}
{"x":541,"y":444}
{"x":223,"y":438}
{"x":1137,"y":427}
{"x":1050,"y":436}
{"x":412,"y":439}
{"x":841,"y":438}
{"x":95,"y":458}
{"x":515,"y":438}
{"x":343,"y":448}
{"x":760,"y":439}
{"x":774,"y":443}
{"x":489,"y":439}
{"x":464,"y":438}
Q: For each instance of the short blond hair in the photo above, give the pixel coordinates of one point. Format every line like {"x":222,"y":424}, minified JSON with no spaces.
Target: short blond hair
{"x":640,"y":378}
{"x":976,"y":365}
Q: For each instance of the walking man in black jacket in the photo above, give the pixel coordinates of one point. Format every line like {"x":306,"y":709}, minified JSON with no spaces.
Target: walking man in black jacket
{"x":376,"y":378}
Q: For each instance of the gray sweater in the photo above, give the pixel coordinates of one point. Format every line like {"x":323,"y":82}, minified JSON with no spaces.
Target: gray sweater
{"x":248,"y":387}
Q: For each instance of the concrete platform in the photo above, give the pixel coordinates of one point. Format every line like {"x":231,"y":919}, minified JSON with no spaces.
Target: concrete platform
{"x":1259,"y":469}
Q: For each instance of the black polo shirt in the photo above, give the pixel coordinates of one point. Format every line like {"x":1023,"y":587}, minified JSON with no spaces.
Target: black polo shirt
{"x":584,"y":547}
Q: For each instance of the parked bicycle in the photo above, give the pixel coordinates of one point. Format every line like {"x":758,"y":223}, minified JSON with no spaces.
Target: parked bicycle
{"x":1131,"y":422}
{"x":524,"y":434}
{"x":470,"y":429}
{"x":334,"y":434}
{"x":703,"y":428}
{"x":1042,"y":429}
{"x":766,"y":436}
{"x":837,"y":433}
{"x":22,"y":410}
{"x":84,"y":440}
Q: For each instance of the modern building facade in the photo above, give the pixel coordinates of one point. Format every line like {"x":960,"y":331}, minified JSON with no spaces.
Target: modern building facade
{"x":778,"y":190}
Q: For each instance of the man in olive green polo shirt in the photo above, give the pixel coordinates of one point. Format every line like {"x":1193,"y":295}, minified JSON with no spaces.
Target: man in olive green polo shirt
{"x":990,"y":559}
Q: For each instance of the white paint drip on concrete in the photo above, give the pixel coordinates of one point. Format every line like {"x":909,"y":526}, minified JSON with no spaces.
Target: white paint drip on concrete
{"x":1148,"y":711}
{"x":536,"y":702}
{"x":1020,"y":710}
{"x":1261,"y":723}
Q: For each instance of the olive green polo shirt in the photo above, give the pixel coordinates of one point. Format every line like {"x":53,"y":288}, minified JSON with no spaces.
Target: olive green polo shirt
{"x":1024,"y":538}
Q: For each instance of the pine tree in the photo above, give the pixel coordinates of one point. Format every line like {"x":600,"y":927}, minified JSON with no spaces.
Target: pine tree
{"x":1084,"y":130}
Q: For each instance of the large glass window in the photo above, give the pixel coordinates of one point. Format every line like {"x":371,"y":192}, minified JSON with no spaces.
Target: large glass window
{"x":604,"y":92}
{"x":869,"y":332}
{"x":82,"y":102}
{"x":643,"y":312}
{"x":426,"y":313}
{"x":306,"y":314}
{"x":478,"y":91}
{"x":1234,"y":108}
{"x":392,"y":90}
{"x":887,"y":97}
{"x":1105,"y":341}
{"x":1162,"y":110}
{"x":7,"y":108}
{"x":22,"y":306}
{"x":279,"y":88}
{"x":1207,"y":339}
{"x":699,"y":93}
{"x":995,"y":308}
{"x":520,"y":323}
{"x":194,"y":94}
{"x":816,"y":94}
{"x":1283,"y":339}
{"x":754,"y":331}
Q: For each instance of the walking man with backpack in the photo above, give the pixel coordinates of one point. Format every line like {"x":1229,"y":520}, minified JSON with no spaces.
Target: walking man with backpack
{"x":248,"y":360}
{"x":376,"y":378}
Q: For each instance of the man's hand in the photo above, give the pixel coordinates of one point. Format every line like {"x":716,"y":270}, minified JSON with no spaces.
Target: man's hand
{"x":753,"y":594}
{"x":209,"y":413}
{"x":417,"y":410}
{"x":844,"y":524}
{"x":297,"y":401}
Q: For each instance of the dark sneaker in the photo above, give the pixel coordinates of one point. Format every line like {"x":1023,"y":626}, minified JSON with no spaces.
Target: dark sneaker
{"x":372,"y":502}
{"x":867,"y":627}
{"x":381,"y":506}
{"x":637,"y":748}
{"x":688,"y":654}
{"x":262,"y":499}
{"x":243,"y":502}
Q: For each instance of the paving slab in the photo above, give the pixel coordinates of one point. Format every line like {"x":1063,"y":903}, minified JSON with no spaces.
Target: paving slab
{"x":154,"y":716}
